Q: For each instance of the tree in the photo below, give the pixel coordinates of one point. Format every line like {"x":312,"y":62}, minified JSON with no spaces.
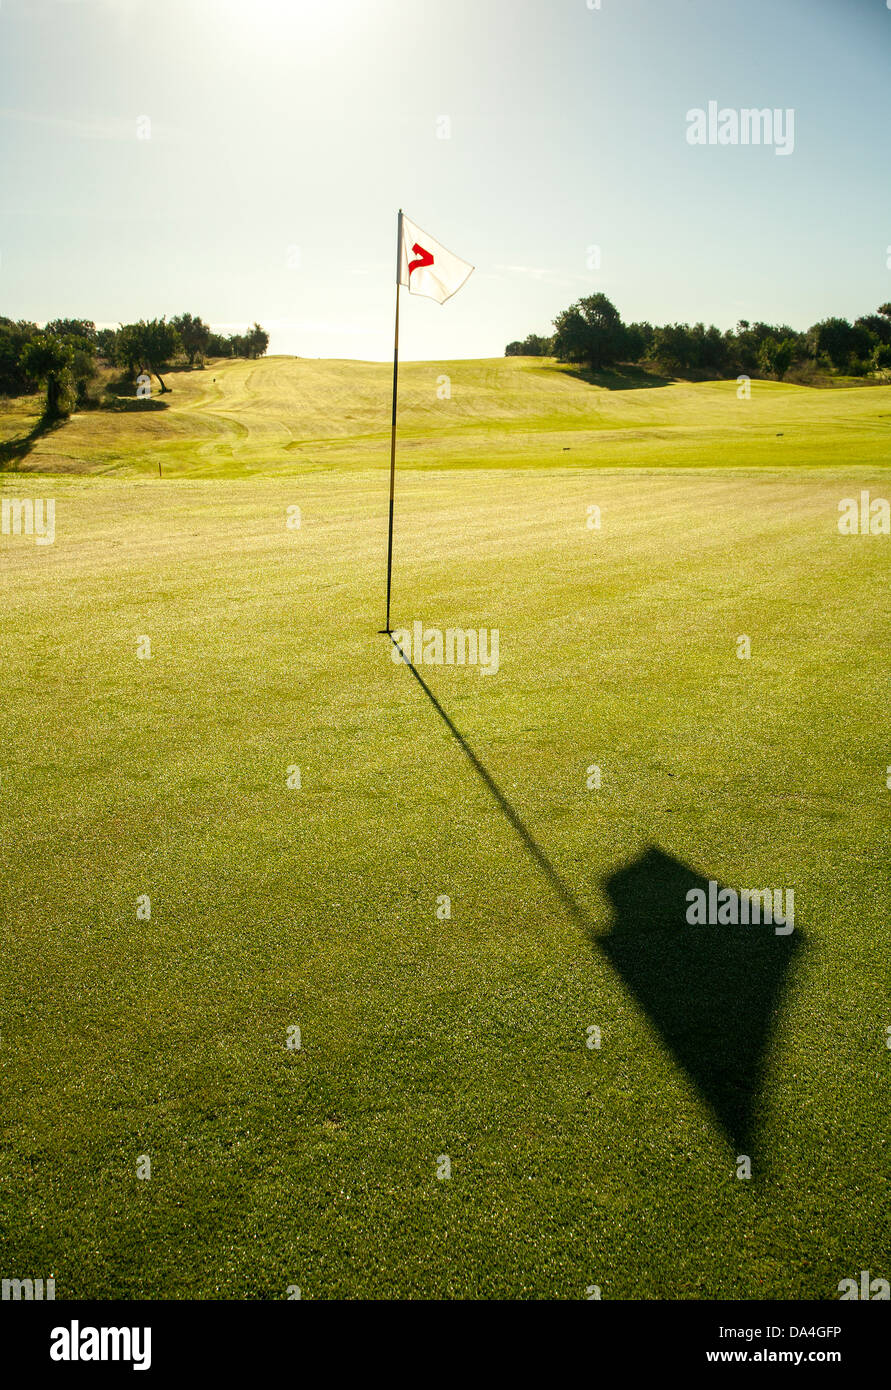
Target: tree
{"x":776,"y":357}
{"x":83,"y":365}
{"x":835,"y":340}
{"x":674,"y":345}
{"x":767,"y":355}
{"x":532,"y":346}
{"x":72,"y":328}
{"x":745,"y":345}
{"x":194,"y":335}
{"x":129,"y":344}
{"x":147,"y":346}
{"x":81,"y":337}
{"x":876,"y":325}
{"x":571,"y":336}
{"x":638,"y":340}
{"x":257,"y":341}
{"x":590,"y":331}
{"x":784,"y":357}
{"x":47,"y":359}
{"x":864,"y":341}
{"x":251,"y":344}
{"x":107,"y":344}
{"x":845,"y":345}
{"x":714,"y":350}
{"x":161,"y":343}
{"x":14,"y":380}
{"x":218,"y":346}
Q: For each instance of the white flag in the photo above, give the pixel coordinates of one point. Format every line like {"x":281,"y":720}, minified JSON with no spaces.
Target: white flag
{"x":425,"y":266}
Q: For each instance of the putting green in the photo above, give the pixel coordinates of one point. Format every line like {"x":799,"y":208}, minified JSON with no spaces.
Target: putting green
{"x":424,"y":1037}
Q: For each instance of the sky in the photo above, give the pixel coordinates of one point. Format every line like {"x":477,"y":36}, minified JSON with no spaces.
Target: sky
{"x":245,"y":160}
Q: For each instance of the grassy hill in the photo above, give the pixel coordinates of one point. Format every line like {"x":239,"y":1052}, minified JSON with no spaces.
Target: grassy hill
{"x":283,"y":415}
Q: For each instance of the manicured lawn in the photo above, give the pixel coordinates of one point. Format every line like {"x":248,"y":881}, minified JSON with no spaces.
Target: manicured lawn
{"x":467,"y":1037}
{"x":285,"y":415}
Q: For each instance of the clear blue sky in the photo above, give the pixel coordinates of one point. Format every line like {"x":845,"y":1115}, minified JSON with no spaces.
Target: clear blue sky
{"x":281,"y":124}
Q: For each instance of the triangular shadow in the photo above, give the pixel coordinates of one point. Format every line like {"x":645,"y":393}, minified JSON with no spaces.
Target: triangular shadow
{"x":714,"y":992}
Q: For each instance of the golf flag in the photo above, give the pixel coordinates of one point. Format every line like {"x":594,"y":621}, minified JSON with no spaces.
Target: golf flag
{"x":423,"y":267}
{"x":427,"y":268}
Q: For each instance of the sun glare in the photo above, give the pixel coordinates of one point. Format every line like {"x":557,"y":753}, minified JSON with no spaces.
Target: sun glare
{"x":261,"y":23}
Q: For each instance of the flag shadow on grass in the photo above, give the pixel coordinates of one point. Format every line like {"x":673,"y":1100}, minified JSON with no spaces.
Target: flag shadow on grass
{"x":713,"y":993}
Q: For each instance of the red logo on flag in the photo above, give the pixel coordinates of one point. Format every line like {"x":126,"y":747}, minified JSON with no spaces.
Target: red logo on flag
{"x":423,"y":258}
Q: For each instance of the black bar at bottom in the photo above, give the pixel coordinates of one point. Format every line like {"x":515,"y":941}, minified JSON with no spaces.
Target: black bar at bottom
{"x":253,"y":1337}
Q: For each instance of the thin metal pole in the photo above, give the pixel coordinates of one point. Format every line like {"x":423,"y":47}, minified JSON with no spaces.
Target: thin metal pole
{"x":393,"y":422}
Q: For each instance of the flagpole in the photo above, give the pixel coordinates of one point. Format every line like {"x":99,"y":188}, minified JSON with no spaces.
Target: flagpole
{"x":393,"y":421}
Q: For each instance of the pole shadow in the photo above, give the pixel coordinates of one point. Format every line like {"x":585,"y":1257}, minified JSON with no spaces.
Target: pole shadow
{"x":713,"y":992}
{"x":559,"y":885}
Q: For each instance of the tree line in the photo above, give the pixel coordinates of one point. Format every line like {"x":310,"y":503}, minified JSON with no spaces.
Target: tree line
{"x":591,"y":333}
{"x":64,"y":357}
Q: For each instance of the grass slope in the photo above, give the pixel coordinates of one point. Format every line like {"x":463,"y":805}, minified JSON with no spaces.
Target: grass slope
{"x":273,"y":907}
{"x":286,"y":415}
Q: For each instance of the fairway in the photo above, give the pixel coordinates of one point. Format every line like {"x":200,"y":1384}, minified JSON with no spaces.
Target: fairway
{"x":426,"y":1038}
{"x":290,"y":415}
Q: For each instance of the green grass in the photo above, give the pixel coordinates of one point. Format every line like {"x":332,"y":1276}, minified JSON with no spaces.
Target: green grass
{"x":273,"y":907}
{"x":284,"y":415}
